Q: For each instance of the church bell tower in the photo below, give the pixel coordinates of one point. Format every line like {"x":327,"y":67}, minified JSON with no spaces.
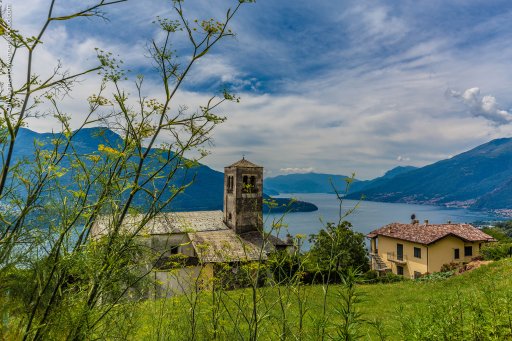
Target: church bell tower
{"x":243,"y":196}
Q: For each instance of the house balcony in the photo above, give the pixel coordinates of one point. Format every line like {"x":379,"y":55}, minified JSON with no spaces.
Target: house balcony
{"x":398,"y":259}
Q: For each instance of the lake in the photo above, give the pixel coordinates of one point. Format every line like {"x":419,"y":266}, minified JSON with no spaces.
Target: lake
{"x":368,"y":215}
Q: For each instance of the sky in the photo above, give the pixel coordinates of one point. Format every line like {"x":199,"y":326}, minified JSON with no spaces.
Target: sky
{"x":326,"y":86}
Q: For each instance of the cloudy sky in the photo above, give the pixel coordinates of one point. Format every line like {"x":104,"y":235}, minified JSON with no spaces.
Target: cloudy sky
{"x":326,"y":86}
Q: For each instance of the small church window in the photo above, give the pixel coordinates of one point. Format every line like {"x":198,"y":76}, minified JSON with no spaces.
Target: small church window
{"x":249,"y":184}
{"x":230,"y":184}
{"x":229,"y":216}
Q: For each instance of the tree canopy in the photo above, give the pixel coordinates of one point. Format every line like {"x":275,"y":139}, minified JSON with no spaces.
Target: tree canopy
{"x":338,"y":247}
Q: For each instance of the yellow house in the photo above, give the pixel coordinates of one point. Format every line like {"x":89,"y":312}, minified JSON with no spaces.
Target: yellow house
{"x":414,"y":249}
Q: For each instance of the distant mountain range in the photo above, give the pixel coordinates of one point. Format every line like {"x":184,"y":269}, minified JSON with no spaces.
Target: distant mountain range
{"x":305,"y":183}
{"x":480,"y":178}
{"x":205,"y":193}
{"x":325,"y":183}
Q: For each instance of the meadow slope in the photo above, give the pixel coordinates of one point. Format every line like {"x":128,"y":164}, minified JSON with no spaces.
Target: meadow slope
{"x":476,"y":304}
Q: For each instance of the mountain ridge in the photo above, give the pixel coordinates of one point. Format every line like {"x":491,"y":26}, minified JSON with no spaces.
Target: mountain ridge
{"x":205,"y":192}
{"x":477,"y":178}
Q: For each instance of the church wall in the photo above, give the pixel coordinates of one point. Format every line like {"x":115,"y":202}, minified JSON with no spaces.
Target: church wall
{"x":179,"y":281}
{"x":164,"y":243}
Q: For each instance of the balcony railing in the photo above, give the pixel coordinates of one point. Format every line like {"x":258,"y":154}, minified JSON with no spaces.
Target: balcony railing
{"x":400,"y":259}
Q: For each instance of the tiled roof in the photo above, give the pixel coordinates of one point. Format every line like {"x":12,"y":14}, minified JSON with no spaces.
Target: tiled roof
{"x":429,"y":233}
{"x":259,"y":239}
{"x":224,"y":246}
{"x":244,"y":163}
{"x":166,"y":223}
{"x":212,"y":240}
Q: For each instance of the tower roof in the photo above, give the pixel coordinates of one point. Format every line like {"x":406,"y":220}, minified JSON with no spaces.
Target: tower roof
{"x":244,"y":163}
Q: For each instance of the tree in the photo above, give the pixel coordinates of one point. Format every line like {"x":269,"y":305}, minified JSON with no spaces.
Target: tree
{"x":55,"y":281}
{"x":337,"y":248}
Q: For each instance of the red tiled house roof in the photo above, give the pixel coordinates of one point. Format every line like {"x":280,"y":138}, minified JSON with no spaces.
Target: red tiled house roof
{"x":429,"y":233}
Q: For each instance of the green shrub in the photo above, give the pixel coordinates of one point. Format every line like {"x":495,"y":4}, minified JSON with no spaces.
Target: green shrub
{"x":496,"y":251}
{"x":498,"y":233}
{"x":450,"y":267}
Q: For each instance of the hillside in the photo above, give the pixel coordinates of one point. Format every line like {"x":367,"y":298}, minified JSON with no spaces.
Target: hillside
{"x":479,"y":178}
{"x":473,"y":305}
{"x":205,"y":193}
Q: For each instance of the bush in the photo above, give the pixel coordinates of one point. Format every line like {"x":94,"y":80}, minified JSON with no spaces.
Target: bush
{"x":450,"y":267}
{"x":496,"y":251}
{"x":498,"y":233}
{"x":373,"y":276}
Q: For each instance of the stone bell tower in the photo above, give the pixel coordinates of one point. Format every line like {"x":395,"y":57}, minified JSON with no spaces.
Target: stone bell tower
{"x":243,"y":196}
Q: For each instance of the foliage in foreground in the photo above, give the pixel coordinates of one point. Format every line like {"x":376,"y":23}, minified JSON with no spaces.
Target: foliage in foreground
{"x":56,"y":280}
{"x":475,"y":305}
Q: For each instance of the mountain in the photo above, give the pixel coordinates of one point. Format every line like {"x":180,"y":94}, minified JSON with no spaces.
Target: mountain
{"x":479,"y":178}
{"x":321,"y":183}
{"x":205,"y":193}
{"x":396,"y":171}
{"x":359,"y":186}
{"x":305,"y":183}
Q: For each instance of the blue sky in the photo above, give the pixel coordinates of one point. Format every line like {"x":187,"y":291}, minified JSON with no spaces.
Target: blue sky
{"x":326,"y":86}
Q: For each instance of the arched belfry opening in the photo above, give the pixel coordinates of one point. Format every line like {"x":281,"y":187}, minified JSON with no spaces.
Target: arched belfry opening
{"x":243,"y":196}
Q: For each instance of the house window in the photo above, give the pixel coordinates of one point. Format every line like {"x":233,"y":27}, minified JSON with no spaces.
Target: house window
{"x":468,"y":251}
{"x":456,"y":254}
{"x":400,"y":270}
{"x":174,"y":249}
{"x":230,"y":216}
{"x":417,"y":252}
{"x":400,"y":251}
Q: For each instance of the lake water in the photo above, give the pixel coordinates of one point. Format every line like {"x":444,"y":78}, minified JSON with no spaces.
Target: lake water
{"x":368,"y":215}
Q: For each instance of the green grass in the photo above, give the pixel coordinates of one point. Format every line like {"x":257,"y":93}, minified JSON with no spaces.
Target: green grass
{"x":477,"y":304}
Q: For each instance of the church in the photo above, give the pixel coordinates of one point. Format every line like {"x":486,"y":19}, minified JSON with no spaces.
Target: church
{"x":204,"y":239}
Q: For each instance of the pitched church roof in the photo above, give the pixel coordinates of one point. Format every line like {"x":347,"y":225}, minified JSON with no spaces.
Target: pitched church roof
{"x":225,"y":246}
{"x":166,"y":223}
{"x":244,"y":163}
{"x":211,"y":239}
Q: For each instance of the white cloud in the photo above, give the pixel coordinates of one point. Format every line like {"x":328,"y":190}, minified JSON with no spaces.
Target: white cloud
{"x":376,"y":92}
{"x":291,"y":170}
{"x":482,"y":106}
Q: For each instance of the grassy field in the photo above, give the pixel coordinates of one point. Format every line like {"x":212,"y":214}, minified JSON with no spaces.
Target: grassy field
{"x":474,"y":305}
